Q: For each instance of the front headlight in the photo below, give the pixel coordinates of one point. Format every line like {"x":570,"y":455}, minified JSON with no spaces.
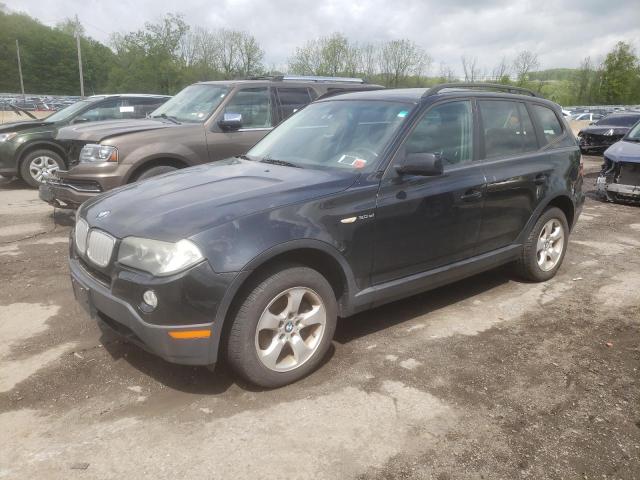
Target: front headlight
{"x":92,"y":153}
{"x":5,"y":137}
{"x":158,"y":258}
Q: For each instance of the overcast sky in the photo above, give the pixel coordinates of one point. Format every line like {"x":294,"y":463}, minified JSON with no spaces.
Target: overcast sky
{"x":561,"y":32}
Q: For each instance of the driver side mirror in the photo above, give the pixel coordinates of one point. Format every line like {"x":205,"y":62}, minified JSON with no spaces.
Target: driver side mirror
{"x":422,"y":164}
{"x":80,"y":120}
{"x":231,"y":121}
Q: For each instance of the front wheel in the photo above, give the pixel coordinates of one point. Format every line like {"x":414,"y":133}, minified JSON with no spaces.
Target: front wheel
{"x":39,"y":164}
{"x":544,"y":249}
{"x":155,"y":171}
{"x":283,"y":327}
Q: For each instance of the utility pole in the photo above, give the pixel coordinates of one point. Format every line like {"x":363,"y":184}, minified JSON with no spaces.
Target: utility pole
{"x":79,"y":56}
{"x":20,"y":69}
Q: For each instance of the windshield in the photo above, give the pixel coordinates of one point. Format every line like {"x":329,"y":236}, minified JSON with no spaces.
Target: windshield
{"x":619,"y":121}
{"x":347,"y":134}
{"x":634,"y":133}
{"x":70,"y":111}
{"x":194,"y":104}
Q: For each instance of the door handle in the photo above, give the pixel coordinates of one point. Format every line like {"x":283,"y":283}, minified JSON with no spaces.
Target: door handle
{"x":471,"y":196}
{"x":540,"y":179}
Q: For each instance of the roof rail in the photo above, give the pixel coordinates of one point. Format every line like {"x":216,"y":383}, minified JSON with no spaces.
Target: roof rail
{"x":306,"y":78}
{"x":315,"y":78}
{"x":479,"y":86}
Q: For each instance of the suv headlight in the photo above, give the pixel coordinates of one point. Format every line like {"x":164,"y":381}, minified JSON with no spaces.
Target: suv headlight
{"x":158,"y":258}
{"x":92,"y":153}
{"x":5,"y":137}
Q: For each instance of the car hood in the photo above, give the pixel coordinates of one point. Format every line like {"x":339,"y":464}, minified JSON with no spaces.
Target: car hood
{"x":184,"y":203}
{"x":21,"y":126}
{"x":624,"y":151}
{"x":98,"y":131}
{"x":604,"y":129}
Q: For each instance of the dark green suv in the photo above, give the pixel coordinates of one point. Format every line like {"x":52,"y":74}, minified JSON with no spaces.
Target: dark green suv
{"x":29,"y":150}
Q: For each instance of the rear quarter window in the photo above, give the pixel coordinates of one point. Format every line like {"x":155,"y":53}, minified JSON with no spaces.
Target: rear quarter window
{"x":548,"y":120}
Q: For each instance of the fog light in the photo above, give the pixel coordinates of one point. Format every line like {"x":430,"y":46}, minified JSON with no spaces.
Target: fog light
{"x":150,"y":299}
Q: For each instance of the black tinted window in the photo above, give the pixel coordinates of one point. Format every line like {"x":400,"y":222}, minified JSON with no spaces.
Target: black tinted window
{"x":507,"y":128}
{"x":549,"y":122}
{"x":292,"y":100}
{"x":446,"y":130}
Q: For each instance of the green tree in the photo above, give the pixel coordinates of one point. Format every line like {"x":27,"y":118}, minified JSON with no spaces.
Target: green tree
{"x":620,"y":76}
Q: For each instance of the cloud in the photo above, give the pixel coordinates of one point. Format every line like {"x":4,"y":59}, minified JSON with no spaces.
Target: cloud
{"x":561,"y":32}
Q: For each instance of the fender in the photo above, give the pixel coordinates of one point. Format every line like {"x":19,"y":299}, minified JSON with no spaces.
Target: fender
{"x":140,"y":165}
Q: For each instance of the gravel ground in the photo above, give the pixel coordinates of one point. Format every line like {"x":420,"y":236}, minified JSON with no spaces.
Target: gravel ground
{"x":487,"y":378}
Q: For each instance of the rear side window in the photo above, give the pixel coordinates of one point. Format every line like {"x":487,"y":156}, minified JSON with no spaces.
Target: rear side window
{"x":549,"y":122}
{"x":507,"y":128}
{"x":291,"y":100}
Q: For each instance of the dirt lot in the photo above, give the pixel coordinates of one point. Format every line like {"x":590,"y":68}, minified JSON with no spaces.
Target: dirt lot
{"x":488,"y":378}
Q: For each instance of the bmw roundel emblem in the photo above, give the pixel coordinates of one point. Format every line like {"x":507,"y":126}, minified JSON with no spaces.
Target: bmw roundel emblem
{"x":104,"y":214}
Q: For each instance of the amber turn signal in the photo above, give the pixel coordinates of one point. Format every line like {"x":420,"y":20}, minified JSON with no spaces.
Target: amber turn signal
{"x":190,"y":334}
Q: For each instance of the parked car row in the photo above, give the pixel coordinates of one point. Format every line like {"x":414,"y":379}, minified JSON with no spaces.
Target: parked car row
{"x":600,"y":135}
{"x":29,"y":149}
{"x":356,"y":200}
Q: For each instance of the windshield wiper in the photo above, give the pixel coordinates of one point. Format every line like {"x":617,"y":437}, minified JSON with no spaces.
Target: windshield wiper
{"x":283,"y":163}
{"x":244,"y":157}
{"x":167,"y":117}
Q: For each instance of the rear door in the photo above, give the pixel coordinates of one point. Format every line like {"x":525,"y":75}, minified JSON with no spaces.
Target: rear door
{"x":517,"y":171}
{"x":259,"y":114}
{"x":427,"y":222}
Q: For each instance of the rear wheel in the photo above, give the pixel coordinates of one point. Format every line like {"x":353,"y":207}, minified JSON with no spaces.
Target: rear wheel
{"x":37,"y":165}
{"x":544,"y":249}
{"x":283,"y":327}
{"x":155,"y":171}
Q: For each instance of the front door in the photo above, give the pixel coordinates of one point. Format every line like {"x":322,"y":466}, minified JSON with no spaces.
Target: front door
{"x":258,"y":117}
{"x":427,"y":222}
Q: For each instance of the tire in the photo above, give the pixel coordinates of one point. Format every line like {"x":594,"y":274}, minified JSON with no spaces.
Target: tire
{"x":541,"y":255}
{"x":155,"y":171}
{"x":37,"y":163}
{"x":270,"y":349}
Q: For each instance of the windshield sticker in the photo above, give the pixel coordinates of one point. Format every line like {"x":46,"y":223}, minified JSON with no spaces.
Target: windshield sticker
{"x":403,"y":114}
{"x":352,"y":161}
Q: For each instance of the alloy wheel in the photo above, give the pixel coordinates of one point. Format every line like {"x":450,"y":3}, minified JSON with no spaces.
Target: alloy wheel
{"x":290,"y":329}
{"x":42,"y":166}
{"x":550,"y":245}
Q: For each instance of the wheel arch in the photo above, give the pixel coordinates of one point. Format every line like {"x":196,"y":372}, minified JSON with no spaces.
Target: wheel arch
{"x":171,"y":161}
{"x":564,"y":203}
{"x":312,"y":253}
{"x":39,"y":145}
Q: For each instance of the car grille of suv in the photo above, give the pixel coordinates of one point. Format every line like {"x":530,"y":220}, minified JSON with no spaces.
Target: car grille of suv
{"x":100,"y":247}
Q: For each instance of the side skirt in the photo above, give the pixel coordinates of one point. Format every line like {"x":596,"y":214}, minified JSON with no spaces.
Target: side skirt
{"x":421,"y":282}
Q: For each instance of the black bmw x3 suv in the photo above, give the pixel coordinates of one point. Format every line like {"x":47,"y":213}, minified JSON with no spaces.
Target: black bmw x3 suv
{"x":355,"y":201}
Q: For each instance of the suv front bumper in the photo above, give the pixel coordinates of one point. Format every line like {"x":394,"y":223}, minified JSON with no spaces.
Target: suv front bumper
{"x":71,"y":188}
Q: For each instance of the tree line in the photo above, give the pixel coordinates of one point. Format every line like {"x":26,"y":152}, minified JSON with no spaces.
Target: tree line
{"x":165,"y":56}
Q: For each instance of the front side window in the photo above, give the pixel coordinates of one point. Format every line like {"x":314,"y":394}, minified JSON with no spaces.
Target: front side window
{"x":634,"y":134}
{"x":446,"y":130}
{"x":140,"y":107}
{"x":107,"y":110}
{"x":507,"y":128}
{"x":549,"y":122}
{"x":193,"y":104}
{"x":254,"y":104}
{"x":347,"y":135}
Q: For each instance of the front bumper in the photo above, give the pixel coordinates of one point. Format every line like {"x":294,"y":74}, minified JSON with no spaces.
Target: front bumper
{"x":71,"y":188}
{"x":183,"y":301}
